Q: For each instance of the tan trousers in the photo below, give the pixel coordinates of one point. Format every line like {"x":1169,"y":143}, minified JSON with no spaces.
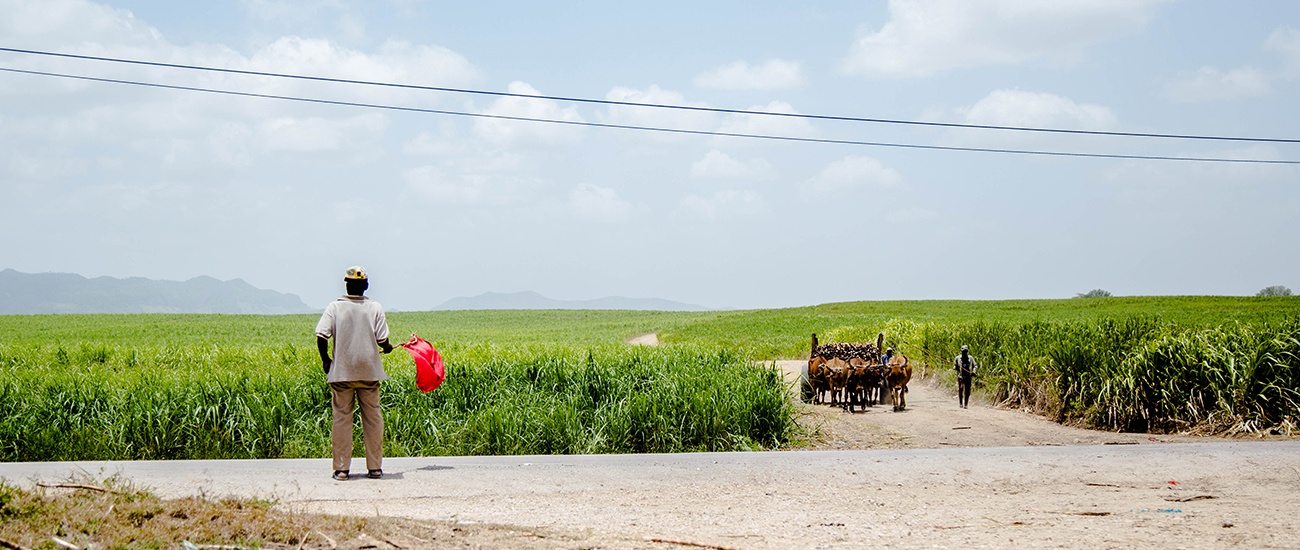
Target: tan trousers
{"x":346,"y":397}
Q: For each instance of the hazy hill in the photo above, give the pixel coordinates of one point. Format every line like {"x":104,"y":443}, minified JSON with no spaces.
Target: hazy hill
{"x":533,"y":300}
{"x":23,"y":293}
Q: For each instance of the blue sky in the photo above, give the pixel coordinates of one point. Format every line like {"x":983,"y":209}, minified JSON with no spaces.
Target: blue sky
{"x":105,"y":179}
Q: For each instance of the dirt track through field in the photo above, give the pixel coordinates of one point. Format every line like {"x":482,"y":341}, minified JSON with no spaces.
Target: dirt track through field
{"x":932,"y":419}
{"x":647,"y":339}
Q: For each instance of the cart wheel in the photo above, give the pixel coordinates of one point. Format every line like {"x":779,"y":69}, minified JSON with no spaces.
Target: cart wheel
{"x":805,"y":389}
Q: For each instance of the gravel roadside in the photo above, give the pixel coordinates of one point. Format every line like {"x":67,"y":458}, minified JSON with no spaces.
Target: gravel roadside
{"x":1172,"y":494}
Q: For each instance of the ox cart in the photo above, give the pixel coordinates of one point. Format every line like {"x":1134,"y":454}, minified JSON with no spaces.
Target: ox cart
{"x":853,"y":375}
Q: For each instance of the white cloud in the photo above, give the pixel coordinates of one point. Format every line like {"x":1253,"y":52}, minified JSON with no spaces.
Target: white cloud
{"x":767,"y":125}
{"x":849,"y":174}
{"x":925,"y":37}
{"x":271,"y":10}
{"x":456,"y":184}
{"x":79,"y":26}
{"x":774,"y":74}
{"x":1024,"y":109}
{"x":515,"y":132}
{"x":319,"y":134}
{"x":657,"y":117}
{"x":464,"y":172}
{"x":726,"y":204}
{"x":66,"y":22}
{"x":18,"y":166}
{"x":1286,"y":40}
{"x":431,"y":144}
{"x":1211,"y":84}
{"x":347,"y":19}
{"x":719,"y":165}
{"x":1038,"y":109}
{"x":200,"y":133}
{"x":395,"y":61}
{"x":703,"y":121}
{"x":136,"y":197}
{"x":593,"y":202}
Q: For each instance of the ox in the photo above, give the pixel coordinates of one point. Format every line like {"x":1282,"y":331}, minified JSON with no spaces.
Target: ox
{"x":837,"y":375}
{"x":900,"y":373}
{"x":864,"y":378}
{"x":818,"y":378}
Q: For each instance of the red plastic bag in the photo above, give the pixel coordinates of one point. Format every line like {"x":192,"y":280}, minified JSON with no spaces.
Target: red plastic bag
{"x":429,"y":370}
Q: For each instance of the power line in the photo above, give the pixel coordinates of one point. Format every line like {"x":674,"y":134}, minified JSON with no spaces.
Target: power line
{"x":648,"y":128}
{"x":660,"y":105}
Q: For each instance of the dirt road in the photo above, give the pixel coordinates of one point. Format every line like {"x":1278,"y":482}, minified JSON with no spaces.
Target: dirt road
{"x":933,"y":420}
{"x":1182,"y":495}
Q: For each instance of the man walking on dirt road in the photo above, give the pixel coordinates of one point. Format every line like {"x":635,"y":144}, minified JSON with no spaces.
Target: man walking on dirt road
{"x":360,"y":332}
{"x":965,"y":366}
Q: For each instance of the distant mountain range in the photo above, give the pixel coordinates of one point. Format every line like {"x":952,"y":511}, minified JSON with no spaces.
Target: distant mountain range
{"x":26,"y":293}
{"x":533,"y":300}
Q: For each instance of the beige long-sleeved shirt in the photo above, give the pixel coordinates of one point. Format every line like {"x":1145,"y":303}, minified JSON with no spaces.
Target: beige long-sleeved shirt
{"x":357,"y":324}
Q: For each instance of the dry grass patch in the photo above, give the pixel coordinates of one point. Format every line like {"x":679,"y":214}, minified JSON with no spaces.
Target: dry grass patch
{"x":112,"y":514}
{"x":89,"y":515}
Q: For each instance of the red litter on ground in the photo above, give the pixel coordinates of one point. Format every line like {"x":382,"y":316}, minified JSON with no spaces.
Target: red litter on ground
{"x":429,"y":370}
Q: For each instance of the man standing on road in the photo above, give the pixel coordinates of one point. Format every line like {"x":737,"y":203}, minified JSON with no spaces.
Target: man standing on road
{"x":965,"y":366}
{"x":360,"y":332}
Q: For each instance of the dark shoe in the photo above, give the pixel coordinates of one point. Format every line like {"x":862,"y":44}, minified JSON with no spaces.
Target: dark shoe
{"x":340,"y":475}
{"x":375,"y":474}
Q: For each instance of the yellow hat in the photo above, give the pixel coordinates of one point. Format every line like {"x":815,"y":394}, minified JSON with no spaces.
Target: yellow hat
{"x":355,"y":273}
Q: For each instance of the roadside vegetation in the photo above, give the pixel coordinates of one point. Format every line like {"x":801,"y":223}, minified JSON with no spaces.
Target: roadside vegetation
{"x":81,"y":387}
{"x":112,"y":402}
{"x":1135,"y":374}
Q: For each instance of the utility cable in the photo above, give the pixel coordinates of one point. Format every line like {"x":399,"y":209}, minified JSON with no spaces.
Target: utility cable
{"x":649,"y":128}
{"x":659,"y":105}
